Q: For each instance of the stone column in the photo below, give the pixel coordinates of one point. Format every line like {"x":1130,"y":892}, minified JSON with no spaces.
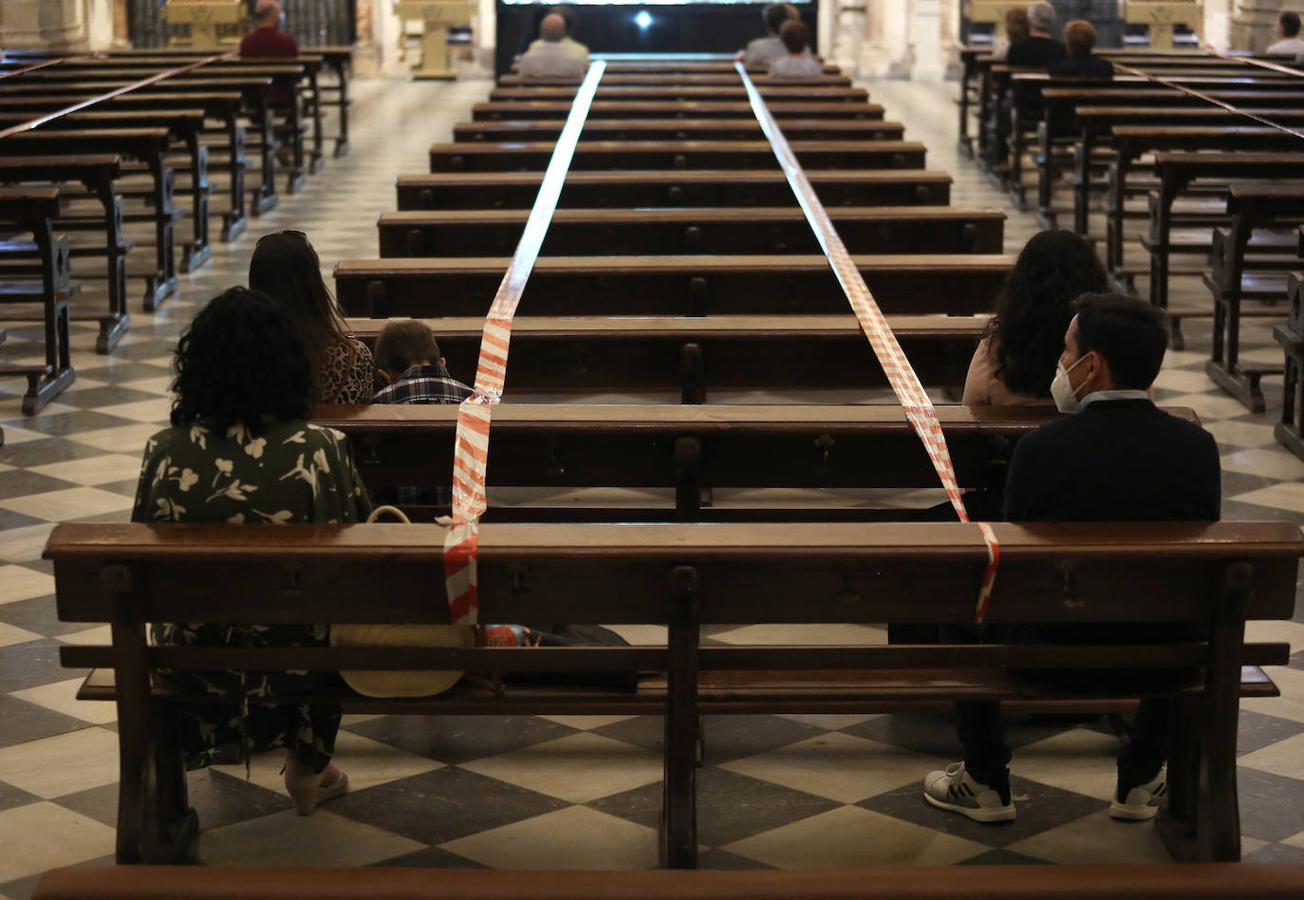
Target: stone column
{"x":1254,"y":23}
{"x":887,"y":51}
{"x":928,"y":64}
{"x":44,"y":24}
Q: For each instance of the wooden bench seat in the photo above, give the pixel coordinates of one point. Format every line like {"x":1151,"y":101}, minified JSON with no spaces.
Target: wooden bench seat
{"x":666,"y":188}
{"x":789,"y":92}
{"x":702,"y":129}
{"x":1213,"y":881}
{"x":696,"y":357}
{"x":1215,"y":575}
{"x":673,"y":109}
{"x":675,"y":79}
{"x":918,"y":229}
{"x":589,"y":155}
{"x":677,"y":285}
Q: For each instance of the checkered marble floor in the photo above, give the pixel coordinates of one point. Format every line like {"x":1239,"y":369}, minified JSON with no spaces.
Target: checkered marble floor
{"x":561,"y":791}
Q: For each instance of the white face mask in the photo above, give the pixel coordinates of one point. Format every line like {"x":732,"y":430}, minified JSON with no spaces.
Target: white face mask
{"x":1066,"y":398}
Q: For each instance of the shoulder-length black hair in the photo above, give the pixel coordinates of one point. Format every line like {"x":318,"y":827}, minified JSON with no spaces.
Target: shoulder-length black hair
{"x":286,"y":268}
{"x":1035,"y":308}
{"x":240,"y":361}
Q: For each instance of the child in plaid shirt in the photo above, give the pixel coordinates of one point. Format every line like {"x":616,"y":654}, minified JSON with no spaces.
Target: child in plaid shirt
{"x":407,"y":357}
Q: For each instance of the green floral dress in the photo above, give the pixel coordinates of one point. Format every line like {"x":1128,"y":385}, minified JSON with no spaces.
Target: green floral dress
{"x":280,"y":473}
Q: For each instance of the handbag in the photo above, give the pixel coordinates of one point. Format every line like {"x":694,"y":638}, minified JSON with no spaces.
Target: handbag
{"x":401,"y":684}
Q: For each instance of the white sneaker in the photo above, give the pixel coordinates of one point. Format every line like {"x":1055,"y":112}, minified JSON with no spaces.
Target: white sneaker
{"x":1142,"y":802}
{"x":955,"y":790}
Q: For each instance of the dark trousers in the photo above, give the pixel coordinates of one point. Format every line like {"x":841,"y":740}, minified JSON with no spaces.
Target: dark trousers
{"x":986,"y":756}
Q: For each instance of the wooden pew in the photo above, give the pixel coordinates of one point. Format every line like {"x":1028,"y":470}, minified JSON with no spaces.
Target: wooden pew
{"x":33,"y":211}
{"x":591,"y":155}
{"x":789,"y":92}
{"x":1211,"y":577}
{"x":98,"y":172}
{"x":1209,"y":881}
{"x":1176,"y":172}
{"x":672,"y":109}
{"x":639,"y":232}
{"x":223,"y":106}
{"x":1251,"y":207}
{"x":697,"y":357}
{"x":146,"y":145}
{"x":673,"y":188}
{"x":702,"y":129}
{"x":673,"y":79}
{"x":675,"y":286}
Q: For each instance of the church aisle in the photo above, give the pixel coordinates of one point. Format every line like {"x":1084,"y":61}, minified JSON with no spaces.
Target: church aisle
{"x":559,"y":791}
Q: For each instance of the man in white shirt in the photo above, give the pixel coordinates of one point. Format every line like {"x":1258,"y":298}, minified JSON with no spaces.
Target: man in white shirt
{"x":1290,"y":43}
{"x":572,"y":45}
{"x":796,"y":63}
{"x":764,"y":51}
{"x":548,"y":56}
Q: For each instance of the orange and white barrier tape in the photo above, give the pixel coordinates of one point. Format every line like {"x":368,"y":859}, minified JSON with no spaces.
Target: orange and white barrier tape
{"x":118,"y":92}
{"x":900,"y":375}
{"x":474,"y":416}
{"x":1214,"y":101}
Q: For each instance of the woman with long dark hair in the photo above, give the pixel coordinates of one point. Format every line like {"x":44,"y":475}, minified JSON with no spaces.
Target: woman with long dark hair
{"x":1015,"y":362}
{"x":286,"y":268}
{"x":241,"y":451}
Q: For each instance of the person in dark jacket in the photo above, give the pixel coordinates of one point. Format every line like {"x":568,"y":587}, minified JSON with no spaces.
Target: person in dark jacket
{"x":1080,"y":39}
{"x":1038,"y":50}
{"x":1116,"y":457}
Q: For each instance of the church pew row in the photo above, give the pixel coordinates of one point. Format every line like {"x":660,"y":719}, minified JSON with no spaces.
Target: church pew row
{"x":98,"y":173}
{"x":700,"y":129}
{"x":1208,"y":881}
{"x":591,"y":155}
{"x":697,"y":357}
{"x":672,"y":188}
{"x":1236,"y":278}
{"x":684,"y":450}
{"x":1205,"y":578}
{"x":783,"y":110}
{"x":27,"y":217}
{"x":683,"y":79}
{"x":883,"y":229}
{"x":670,"y":286}
{"x":1290,"y":429}
{"x":788,"y":92}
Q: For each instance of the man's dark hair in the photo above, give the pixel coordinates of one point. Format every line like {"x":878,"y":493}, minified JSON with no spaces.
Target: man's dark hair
{"x":404,"y":342}
{"x":795,"y":36}
{"x":1130,"y":334}
{"x":1079,"y":38}
{"x":240,"y":361}
{"x":1289,"y":24}
{"x":776,"y":14}
{"x":1035,"y":308}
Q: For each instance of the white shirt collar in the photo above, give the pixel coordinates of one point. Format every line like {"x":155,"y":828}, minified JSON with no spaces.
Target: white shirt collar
{"x":1112,"y":395}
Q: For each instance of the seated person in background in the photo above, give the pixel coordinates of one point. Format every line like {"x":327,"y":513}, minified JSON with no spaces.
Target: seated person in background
{"x":241,"y":451}
{"x":547,"y":57}
{"x":571,"y":45}
{"x":286,"y":268}
{"x":1016,"y":29}
{"x":1080,"y":39}
{"x":1039,"y":50}
{"x":1115,"y":457}
{"x":797,"y":63}
{"x":1290,"y":43}
{"x":764,"y":51}
{"x":407,"y":357}
{"x":1016,"y":359}
{"x":268,"y":41}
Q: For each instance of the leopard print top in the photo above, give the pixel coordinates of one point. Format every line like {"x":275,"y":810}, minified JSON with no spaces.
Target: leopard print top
{"x":347,"y":374}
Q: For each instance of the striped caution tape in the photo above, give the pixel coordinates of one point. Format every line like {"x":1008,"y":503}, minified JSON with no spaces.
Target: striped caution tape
{"x":474,"y":416}
{"x":900,"y":374}
{"x":118,"y":92}
{"x":1214,"y":101}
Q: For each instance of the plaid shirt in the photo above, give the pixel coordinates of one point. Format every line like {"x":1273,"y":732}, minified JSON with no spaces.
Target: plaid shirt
{"x":422,"y":384}
{"x":425,"y":384}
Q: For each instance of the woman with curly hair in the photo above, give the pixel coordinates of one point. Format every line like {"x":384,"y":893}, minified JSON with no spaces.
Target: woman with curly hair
{"x":1015,"y":361}
{"x":286,"y":268}
{"x":241,"y":451}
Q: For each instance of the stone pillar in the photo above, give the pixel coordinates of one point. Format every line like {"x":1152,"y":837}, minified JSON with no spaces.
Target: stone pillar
{"x":44,"y":24}
{"x":887,"y":49}
{"x":1217,"y":24}
{"x":1254,"y":23}
{"x":928,"y":64}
